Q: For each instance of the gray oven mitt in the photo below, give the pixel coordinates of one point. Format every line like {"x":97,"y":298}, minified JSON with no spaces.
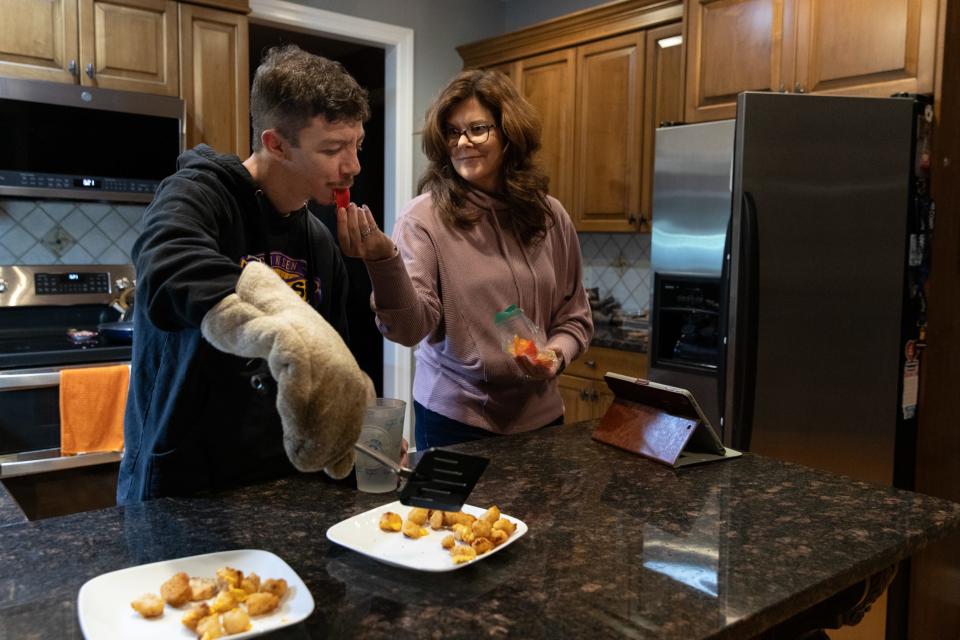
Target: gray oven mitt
{"x":321,"y":392}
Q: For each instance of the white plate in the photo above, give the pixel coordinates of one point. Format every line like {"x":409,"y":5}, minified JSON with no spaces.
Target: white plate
{"x":104,"y":602}
{"x":362,"y":534}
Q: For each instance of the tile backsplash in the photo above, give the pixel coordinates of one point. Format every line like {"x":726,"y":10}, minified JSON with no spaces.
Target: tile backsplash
{"x":619,"y":265}
{"x":66,"y":232}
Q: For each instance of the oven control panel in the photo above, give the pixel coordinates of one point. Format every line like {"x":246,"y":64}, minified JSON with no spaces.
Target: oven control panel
{"x":72,"y":282}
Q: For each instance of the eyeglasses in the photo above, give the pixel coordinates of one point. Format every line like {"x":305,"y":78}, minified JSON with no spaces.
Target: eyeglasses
{"x":476,"y":134}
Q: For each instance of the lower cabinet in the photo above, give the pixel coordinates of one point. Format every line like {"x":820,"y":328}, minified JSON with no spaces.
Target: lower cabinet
{"x":585,"y":394}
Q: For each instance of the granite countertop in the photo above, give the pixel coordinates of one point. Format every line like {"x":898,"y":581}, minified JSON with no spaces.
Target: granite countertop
{"x":618,"y":546}
{"x":616,"y":338}
{"x":10,"y":512}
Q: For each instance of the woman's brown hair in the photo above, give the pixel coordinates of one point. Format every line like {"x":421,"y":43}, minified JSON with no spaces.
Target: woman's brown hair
{"x":524,"y":181}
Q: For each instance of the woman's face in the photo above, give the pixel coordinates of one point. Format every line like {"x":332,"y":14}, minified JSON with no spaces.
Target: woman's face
{"x":476,"y":159}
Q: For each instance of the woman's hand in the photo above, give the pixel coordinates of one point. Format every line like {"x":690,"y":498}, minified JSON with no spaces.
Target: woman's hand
{"x":540,"y":368}
{"x":359,"y":235}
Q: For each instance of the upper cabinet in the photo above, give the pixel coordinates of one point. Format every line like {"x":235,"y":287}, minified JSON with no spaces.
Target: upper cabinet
{"x":149,"y":46}
{"x":598,"y":79}
{"x":125,"y":44}
{"x":854,"y":47}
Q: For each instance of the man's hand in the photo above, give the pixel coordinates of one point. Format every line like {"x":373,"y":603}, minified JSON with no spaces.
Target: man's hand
{"x":359,"y":235}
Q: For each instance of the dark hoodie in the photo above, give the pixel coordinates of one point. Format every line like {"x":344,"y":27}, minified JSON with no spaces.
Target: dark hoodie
{"x":194,"y":419}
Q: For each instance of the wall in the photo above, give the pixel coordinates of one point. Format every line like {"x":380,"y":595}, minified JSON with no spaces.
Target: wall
{"x":523,"y":13}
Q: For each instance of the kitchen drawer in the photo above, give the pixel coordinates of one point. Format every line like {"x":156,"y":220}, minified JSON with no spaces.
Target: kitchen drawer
{"x":596,"y":361}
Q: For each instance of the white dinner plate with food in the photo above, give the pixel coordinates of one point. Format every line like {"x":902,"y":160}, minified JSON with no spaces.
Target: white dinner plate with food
{"x":104,"y":602}
{"x":362,"y":534}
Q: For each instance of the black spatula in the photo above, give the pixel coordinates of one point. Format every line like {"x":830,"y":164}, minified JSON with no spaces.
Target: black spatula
{"x":441,"y":480}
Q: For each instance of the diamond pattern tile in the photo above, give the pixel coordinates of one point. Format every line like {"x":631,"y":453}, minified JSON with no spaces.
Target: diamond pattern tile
{"x":102,"y":233}
{"x":619,"y":264}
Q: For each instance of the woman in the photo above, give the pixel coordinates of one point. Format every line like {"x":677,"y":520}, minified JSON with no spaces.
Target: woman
{"x":482,"y":235}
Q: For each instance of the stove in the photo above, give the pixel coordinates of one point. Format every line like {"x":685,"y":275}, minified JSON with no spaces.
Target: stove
{"x":48,"y":322}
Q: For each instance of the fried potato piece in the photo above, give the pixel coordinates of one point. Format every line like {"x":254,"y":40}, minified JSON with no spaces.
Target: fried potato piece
{"x":209,"y":627}
{"x":463,"y":553}
{"x":277,"y":587}
{"x":436,"y":520}
{"x":491,"y":515}
{"x":261,"y":603}
{"x":463,"y":533}
{"x":176,"y":591}
{"x":418,"y":515}
{"x":481,"y":545}
{"x":224,"y":602}
{"x":229,"y":577}
{"x":390,"y":522}
{"x":250,"y":583}
{"x":239,"y":594}
{"x":451,"y":518}
{"x":498,"y":537}
{"x":505,"y":525}
{"x":481,"y":529}
{"x":448,"y":542}
{"x":192,"y":617}
{"x":413,"y":530}
{"x":149,"y":605}
{"x":236,"y":621}
{"x":202,"y":588}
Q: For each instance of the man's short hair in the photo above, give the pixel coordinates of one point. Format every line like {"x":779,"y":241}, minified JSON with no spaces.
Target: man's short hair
{"x":291,"y":87}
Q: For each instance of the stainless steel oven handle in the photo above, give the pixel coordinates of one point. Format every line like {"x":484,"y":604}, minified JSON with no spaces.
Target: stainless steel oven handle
{"x":39,"y":378}
{"x":45,"y":465}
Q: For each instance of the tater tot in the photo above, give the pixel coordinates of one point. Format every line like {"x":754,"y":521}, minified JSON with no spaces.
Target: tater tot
{"x":413,"y":530}
{"x":498,"y":537}
{"x":505,"y":525}
{"x":436,"y":520}
{"x":463,"y":533}
{"x":209,"y":627}
{"x":390,"y":522}
{"x":277,"y":587}
{"x":224,"y":602}
{"x":492,"y":514}
{"x":250,"y":583}
{"x":195,"y":615}
{"x":418,"y":515}
{"x":202,"y":588}
{"x":448,"y":542}
{"x":481,"y":545}
{"x":229,"y":577}
{"x":261,"y":603}
{"x":463,"y":553}
{"x":481,"y":529}
{"x":176,"y":591}
{"x":236,"y":621}
{"x":148,"y":605}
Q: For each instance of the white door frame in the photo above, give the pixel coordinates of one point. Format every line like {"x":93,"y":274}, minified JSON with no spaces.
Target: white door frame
{"x":398,"y":131}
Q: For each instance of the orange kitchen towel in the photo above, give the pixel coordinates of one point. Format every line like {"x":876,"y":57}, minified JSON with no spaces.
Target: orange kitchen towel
{"x":92,"y":401}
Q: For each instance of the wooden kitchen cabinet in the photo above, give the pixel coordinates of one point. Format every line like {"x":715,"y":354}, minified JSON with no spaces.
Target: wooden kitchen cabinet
{"x":214,"y":80}
{"x":124,"y":44}
{"x":587,"y":76}
{"x":585,"y":394}
{"x":854,"y":47}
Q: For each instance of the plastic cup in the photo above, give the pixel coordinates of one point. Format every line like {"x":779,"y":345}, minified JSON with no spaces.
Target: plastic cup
{"x":382,"y":431}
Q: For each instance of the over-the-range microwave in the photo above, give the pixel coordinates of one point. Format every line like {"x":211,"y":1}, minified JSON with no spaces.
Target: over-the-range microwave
{"x":68,"y":141}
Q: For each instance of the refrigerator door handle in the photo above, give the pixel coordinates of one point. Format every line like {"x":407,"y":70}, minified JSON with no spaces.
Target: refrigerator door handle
{"x":745,"y":375}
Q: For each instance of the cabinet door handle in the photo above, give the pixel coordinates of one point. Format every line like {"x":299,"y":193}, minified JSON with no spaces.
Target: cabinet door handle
{"x":591,"y":363}
{"x":72,"y":67}
{"x":90,"y":70}
{"x":632,"y":219}
{"x":799,"y":88}
{"x":583,"y":394}
{"x":783,"y":89}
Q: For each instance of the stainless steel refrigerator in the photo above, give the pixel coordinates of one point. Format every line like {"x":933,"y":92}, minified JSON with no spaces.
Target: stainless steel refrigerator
{"x":787,"y":250}
{"x":790,"y":250}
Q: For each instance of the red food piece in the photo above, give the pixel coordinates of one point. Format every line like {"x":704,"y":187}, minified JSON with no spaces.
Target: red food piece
{"x":342,"y":197}
{"x":524,"y":347}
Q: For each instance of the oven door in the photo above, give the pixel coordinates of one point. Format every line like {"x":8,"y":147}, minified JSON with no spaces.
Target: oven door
{"x":30,"y":425}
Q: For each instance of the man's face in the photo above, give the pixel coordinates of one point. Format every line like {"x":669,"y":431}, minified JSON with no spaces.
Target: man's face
{"x":326,"y":158}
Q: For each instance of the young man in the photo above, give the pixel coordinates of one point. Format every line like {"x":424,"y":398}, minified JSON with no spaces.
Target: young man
{"x":240,"y":372}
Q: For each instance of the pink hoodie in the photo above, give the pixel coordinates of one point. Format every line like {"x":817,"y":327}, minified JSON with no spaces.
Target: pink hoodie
{"x":445,"y":299}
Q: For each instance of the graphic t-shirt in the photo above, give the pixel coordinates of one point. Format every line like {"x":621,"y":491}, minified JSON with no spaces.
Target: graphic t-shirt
{"x":288,"y":254}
